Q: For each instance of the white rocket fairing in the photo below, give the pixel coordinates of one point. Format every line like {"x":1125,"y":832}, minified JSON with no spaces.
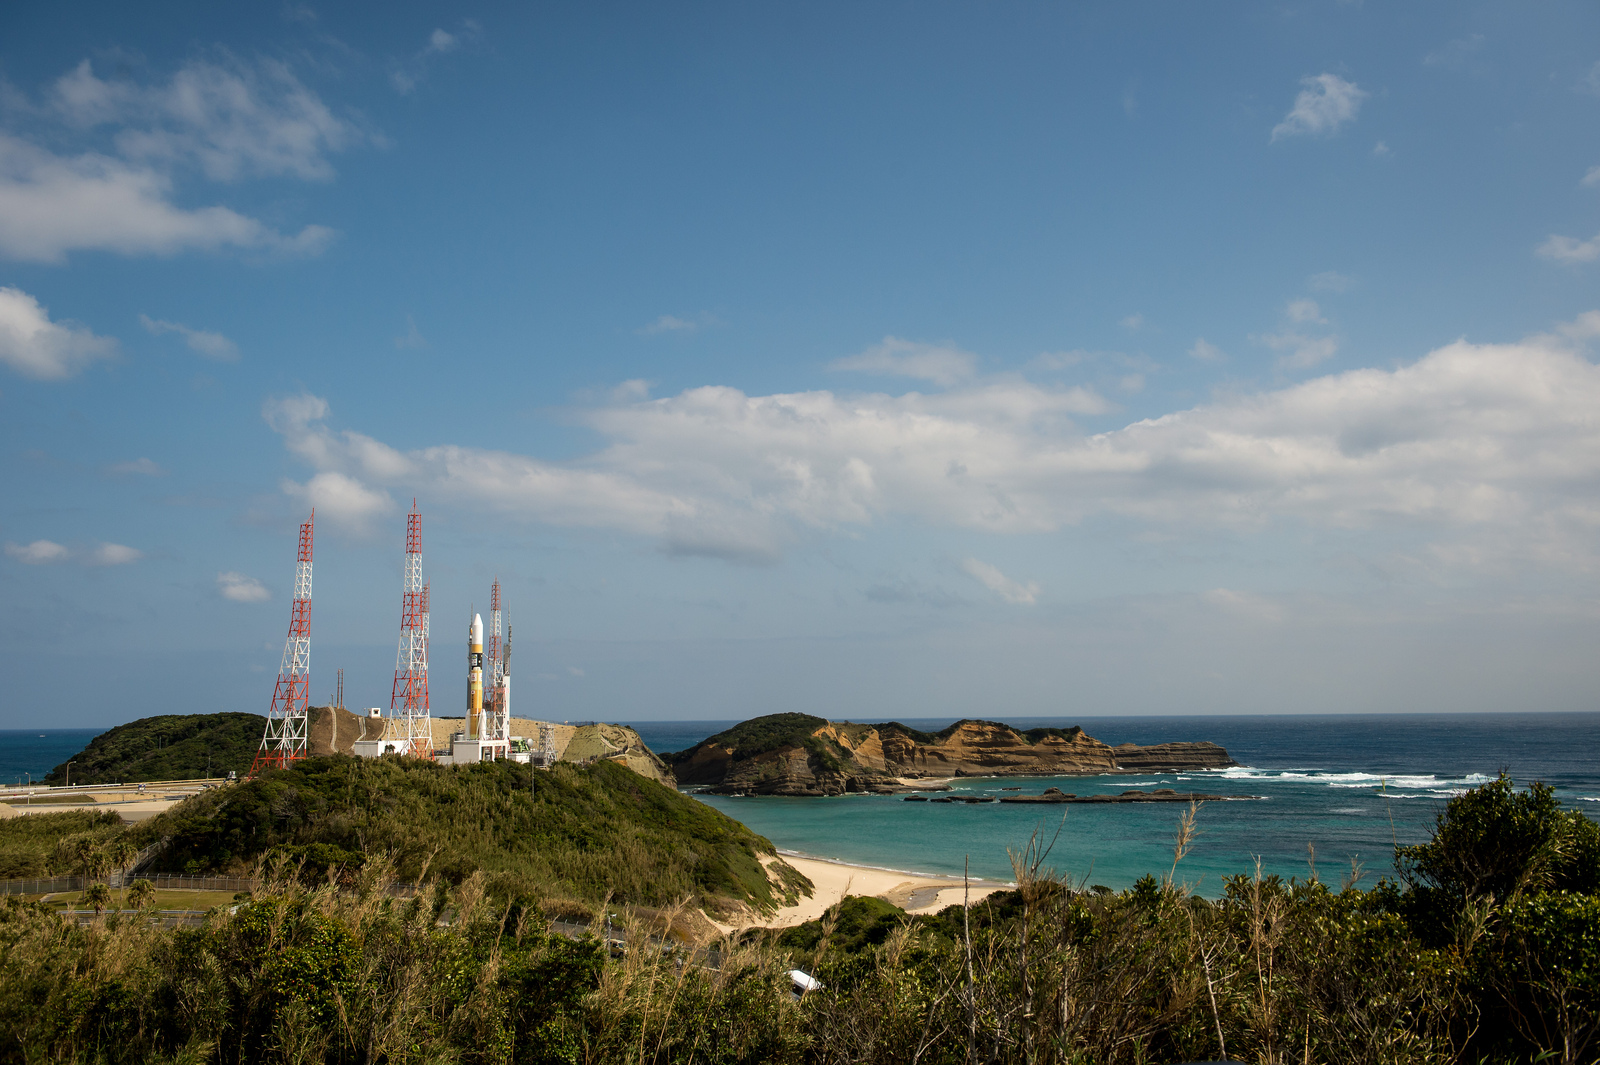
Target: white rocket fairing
{"x":474,"y":676}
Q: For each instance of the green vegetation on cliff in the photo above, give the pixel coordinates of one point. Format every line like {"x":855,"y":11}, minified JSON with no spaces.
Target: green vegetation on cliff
{"x":168,"y":747}
{"x":572,"y":833}
{"x":759,"y":735}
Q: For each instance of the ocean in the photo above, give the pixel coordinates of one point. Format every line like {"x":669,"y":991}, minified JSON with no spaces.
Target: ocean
{"x":1351,"y":786}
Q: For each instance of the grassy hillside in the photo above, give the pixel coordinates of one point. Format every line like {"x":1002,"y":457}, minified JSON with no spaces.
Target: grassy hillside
{"x":573,"y":833}
{"x":169,"y":747}
{"x":50,"y":844}
{"x":758,"y":735}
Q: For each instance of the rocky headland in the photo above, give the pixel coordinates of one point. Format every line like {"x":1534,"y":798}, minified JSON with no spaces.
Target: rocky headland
{"x":798,"y":754}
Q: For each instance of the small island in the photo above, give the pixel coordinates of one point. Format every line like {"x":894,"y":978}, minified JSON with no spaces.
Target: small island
{"x":803,"y":755}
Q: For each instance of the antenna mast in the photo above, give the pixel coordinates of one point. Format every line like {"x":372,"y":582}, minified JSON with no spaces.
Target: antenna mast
{"x":409,"y":722}
{"x":284,"y":740}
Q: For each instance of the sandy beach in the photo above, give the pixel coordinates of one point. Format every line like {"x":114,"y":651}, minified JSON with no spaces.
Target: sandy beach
{"x":834,"y":880}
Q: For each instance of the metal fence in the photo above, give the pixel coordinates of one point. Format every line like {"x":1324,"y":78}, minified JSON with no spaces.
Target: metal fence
{"x":50,"y":884}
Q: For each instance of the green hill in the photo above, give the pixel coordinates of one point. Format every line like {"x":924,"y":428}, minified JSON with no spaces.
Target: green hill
{"x":168,"y":747}
{"x":572,"y":833}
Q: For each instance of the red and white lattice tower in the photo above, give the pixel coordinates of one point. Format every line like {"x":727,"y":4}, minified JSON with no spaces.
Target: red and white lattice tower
{"x":497,"y":725}
{"x":284,"y":740}
{"x":409,"y":724}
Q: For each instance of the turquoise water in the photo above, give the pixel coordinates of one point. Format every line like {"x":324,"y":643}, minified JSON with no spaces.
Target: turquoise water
{"x":1351,"y":786}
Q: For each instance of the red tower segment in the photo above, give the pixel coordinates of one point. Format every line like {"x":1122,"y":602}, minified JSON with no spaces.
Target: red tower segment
{"x":409,"y":710}
{"x":284,"y":739}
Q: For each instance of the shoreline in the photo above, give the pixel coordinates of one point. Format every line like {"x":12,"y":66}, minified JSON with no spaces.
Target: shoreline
{"x":833,"y":880}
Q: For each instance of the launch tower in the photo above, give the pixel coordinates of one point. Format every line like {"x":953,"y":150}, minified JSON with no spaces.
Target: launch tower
{"x":284,"y":739}
{"x":409,"y":728}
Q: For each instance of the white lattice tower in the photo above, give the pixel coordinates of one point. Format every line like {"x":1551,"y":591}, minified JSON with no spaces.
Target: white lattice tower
{"x":284,"y":739}
{"x":547,"y":744}
{"x":497,"y":721}
{"x":409,"y":725}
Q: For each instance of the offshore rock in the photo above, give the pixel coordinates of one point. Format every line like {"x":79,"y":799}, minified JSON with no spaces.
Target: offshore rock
{"x":802,"y":755}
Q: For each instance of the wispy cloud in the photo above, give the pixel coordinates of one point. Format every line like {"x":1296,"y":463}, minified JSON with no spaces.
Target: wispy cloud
{"x":1455,"y":53}
{"x":991,"y":578}
{"x":1330,"y":281}
{"x":211,"y":345}
{"x":412,"y":337}
{"x":1206,"y":351}
{"x":1327,"y":103}
{"x":112,"y":555}
{"x":225,"y":119}
{"x":241,"y":589}
{"x":36,"y":347}
{"x":409,"y":73}
{"x":1591,"y":178}
{"x":941,"y":364}
{"x":46,"y":552}
{"x":136,"y":467}
{"x":1570,"y":250}
{"x":668,"y":323}
{"x":1301,"y":348}
{"x":38,"y":553}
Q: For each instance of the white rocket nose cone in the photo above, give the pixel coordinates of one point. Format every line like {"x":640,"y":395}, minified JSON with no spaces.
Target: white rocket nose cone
{"x":477,"y":630}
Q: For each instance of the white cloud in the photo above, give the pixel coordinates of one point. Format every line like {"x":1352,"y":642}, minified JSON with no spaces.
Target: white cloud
{"x":230,"y":119}
{"x":412,"y":337}
{"x":34,"y":346}
{"x":668,"y":323}
{"x":140,"y":467}
{"x":1330,"y":281}
{"x":1133,"y":322}
{"x":1591,"y":178}
{"x":575,"y":671}
{"x":51,"y":205}
{"x":1206,"y":351}
{"x":998,"y":583}
{"x":1381,"y":149}
{"x":342,"y":499}
{"x":226,"y":119}
{"x":409,"y":73}
{"x":1302,"y":311}
{"x":1570,"y":250}
{"x":38,"y":553}
{"x":1326,"y":103}
{"x":241,"y":589}
{"x":1455,"y":52}
{"x":211,"y":345}
{"x":113,"y":555}
{"x":41,"y":552}
{"x":1490,"y":441}
{"x":941,"y":364}
{"x":1302,"y":350}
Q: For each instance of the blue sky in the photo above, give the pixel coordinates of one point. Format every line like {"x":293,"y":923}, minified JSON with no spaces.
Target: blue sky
{"x":874,"y":360}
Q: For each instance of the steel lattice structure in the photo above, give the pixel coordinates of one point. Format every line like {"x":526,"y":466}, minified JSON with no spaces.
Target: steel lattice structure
{"x":410,"y":725}
{"x":285,"y":737}
{"x":497,"y":719}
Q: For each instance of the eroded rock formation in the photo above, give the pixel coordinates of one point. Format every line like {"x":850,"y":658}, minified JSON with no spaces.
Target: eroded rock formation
{"x":797,"y":754}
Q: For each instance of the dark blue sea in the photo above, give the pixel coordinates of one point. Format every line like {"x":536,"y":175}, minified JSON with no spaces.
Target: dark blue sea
{"x":1352,"y":787}
{"x":26,"y":753}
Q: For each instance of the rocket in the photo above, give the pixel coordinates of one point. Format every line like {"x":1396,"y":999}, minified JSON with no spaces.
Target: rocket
{"x":474,"y":674}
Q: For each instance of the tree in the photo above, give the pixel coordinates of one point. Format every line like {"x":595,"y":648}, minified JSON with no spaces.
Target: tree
{"x":99,"y":897}
{"x":142,"y":895}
